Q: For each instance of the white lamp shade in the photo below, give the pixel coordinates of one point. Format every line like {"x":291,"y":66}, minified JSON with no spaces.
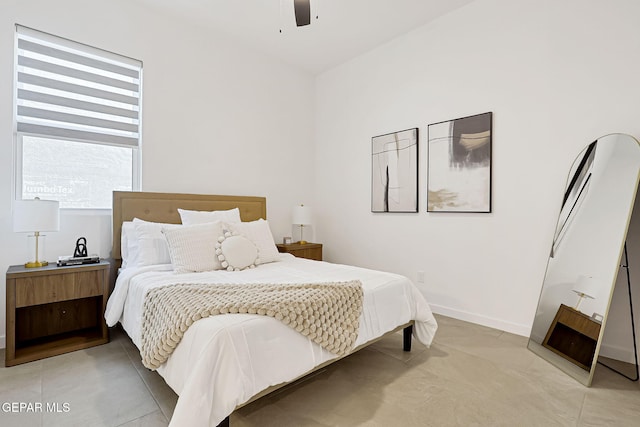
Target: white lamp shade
{"x":301,"y":215}
{"x":36,"y":215}
{"x":587,"y":286}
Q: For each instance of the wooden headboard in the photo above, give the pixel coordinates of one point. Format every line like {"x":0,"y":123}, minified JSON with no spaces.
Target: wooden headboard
{"x":163,"y":207}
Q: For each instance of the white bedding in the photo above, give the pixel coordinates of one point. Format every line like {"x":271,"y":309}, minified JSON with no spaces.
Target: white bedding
{"x":223,"y":361}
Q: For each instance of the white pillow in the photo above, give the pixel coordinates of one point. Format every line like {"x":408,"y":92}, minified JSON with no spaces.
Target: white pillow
{"x":260,"y":234}
{"x":236,"y":252}
{"x":152,"y":246}
{"x":192,"y":247}
{"x":128,"y":244}
{"x":198,"y":217}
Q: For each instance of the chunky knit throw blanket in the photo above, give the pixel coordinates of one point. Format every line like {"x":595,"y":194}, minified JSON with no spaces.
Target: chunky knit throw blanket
{"x":327,"y":313}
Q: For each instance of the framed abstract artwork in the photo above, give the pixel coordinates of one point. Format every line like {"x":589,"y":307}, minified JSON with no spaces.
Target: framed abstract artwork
{"x":459,"y":165}
{"x":394,"y":172}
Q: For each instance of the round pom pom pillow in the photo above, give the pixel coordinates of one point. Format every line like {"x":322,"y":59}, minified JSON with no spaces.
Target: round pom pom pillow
{"x":236,"y":252}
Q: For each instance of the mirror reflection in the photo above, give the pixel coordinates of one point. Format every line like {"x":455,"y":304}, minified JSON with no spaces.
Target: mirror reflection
{"x":585,"y":256}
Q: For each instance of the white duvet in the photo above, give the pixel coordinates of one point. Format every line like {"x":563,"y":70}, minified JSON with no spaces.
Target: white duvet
{"x":223,"y":361}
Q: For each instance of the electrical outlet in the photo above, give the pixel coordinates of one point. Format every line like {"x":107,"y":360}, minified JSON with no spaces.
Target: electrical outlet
{"x":420,"y":277}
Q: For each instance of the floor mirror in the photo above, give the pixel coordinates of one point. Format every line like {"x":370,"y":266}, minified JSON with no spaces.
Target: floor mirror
{"x":586,"y":253}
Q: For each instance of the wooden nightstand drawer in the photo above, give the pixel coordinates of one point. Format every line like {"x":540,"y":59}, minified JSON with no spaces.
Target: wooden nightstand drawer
{"x":579,"y":322}
{"x":308,"y":250}
{"x":57,"y":287}
{"x":52,"y":319}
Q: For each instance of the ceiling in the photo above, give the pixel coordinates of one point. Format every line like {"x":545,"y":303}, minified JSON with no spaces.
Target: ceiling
{"x":344,"y":28}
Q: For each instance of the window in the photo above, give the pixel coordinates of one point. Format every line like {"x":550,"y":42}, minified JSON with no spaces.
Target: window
{"x":77,"y":118}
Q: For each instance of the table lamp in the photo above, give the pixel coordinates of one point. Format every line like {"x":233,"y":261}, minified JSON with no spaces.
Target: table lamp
{"x":35,"y":216}
{"x":586,"y":287}
{"x":301,"y":217}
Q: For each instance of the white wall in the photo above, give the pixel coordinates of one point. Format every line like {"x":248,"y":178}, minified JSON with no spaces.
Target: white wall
{"x":557,"y":75}
{"x":218,"y":118}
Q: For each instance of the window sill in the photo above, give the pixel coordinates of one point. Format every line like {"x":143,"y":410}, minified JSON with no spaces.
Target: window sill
{"x":84,"y":212}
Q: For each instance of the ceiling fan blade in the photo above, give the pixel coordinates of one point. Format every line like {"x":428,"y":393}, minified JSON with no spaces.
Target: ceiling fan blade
{"x":302,"y":9}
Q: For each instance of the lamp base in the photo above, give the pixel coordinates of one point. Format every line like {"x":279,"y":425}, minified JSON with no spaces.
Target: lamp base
{"x":302,"y":242}
{"x":35,"y":264}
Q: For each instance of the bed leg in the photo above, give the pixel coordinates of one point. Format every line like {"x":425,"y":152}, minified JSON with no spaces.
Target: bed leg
{"x":224,"y":423}
{"x":406,"y":338}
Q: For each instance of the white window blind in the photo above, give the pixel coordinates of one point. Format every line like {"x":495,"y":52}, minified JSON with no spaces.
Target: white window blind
{"x":77,"y":121}
{"x":68,"y":90}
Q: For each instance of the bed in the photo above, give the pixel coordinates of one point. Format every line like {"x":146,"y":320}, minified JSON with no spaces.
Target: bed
{"x":224,"y":362}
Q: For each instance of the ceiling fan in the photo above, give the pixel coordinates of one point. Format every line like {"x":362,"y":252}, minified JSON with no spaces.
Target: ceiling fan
{"x":302,"y":10}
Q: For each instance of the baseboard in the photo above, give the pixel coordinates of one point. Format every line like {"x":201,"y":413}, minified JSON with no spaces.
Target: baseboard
{"x":611,"y":351}
{"x":514,"y":328}
{"x":618,"y":353}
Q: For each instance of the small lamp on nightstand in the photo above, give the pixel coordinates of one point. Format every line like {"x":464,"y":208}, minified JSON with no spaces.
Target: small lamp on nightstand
{"x":35,"y":216}
{"x":586,"y":287}
{"x":301,"y":217}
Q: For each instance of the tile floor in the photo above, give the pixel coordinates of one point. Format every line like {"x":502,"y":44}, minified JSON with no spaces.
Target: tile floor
{"x":471,"y":375}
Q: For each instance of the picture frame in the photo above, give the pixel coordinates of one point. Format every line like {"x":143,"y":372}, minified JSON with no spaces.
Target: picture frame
{"x":459,"y":164}
{"x":394,"y":171}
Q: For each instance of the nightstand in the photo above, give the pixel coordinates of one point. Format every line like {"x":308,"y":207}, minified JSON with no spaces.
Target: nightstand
{"x":574,"y":336}
{"x":308,"y":250}
{"x":53,"y":310}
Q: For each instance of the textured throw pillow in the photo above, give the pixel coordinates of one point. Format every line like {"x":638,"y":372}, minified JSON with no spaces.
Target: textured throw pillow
{"x":260,"y":234}
{"x":236,"y":252}
{"x":152,"y":246}
{"x":192,"y":247}
{"x":199,"y":217}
